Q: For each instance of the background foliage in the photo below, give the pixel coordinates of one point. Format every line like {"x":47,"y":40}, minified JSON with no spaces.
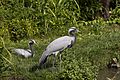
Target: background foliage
{"x":46,"y":20}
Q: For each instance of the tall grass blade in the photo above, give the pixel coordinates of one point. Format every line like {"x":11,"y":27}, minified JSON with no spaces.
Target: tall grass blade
{"x":53,"y":3}
{"x":6,"y":48}
{"x":59,"y":2}
{"x":77,"y":5}
{"x":52,"y":12}
{"x":8,"y":62}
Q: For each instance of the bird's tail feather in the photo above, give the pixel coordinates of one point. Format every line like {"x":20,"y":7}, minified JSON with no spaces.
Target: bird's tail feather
{"x":43,"y":58}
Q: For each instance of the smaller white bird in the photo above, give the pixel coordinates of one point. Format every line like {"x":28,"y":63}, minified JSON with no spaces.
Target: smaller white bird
{"x":28,"y":52}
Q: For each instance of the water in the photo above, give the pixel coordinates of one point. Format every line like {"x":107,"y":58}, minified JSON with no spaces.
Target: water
{"x":109,"y":74}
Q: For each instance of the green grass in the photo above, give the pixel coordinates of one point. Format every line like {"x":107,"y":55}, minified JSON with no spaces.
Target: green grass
{"x":46,"y":20}
{"x":83,"y":61}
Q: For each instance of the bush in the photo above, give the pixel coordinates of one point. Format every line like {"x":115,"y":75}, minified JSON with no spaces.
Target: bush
{"x":77,"y":70}
{"x":116,"y":12}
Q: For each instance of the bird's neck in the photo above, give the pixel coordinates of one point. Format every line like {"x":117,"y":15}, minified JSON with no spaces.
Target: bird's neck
{"x":31,"y":48}
{"x":72,"y":34}
{"x":74,"y":37}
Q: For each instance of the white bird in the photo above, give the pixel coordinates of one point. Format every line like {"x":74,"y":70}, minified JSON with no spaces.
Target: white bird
{"x":26,"y":52}
{"x":58,"y":45}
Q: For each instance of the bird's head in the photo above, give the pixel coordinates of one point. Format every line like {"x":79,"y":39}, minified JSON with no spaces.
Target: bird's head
{"x":73,"y":30}
{"x":32,"y":41}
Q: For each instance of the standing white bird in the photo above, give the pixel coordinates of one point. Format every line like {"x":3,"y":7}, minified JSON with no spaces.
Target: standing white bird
{"x":26,"y":53}
{"x":58,"y":45}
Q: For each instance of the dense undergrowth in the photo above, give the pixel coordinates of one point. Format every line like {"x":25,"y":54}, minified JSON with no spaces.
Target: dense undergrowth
{"x":45,"y":20}
{"x":83,"y":61}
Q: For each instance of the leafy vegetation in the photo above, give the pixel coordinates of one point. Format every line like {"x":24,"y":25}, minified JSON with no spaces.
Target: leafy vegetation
{"x":45,"y":20}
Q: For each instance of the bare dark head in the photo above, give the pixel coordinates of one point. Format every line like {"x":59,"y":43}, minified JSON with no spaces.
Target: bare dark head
{"x":32,"y":41}
{"x":72,"y":31}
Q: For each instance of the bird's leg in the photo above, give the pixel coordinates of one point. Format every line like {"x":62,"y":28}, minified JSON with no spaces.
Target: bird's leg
{"x":60,"y":61}
{"x":54,"y":60}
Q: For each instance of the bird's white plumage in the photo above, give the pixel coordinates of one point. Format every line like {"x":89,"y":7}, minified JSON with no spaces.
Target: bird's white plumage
{"x":60,"y":43}
{"x":23,"y":52}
